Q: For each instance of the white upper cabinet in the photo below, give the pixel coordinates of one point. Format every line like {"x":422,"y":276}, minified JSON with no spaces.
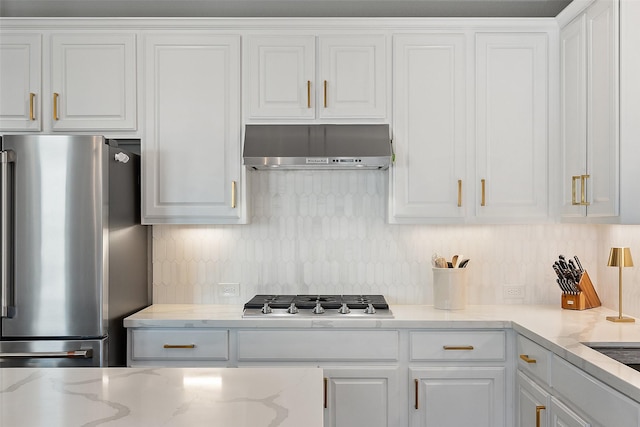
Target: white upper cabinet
{"x":93,"y":82}
{"x":191,"y":161}
{"x":430,"y":170}
{"x":87,"y":82}
{"x":308,"y":77}
{"x":20,"y":82}
{"x":589,"y":113}
{"x":512,"y":83}
{"x":450,"y":168}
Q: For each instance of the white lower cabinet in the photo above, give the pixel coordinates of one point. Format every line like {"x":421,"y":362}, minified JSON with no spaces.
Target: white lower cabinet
{"x":458,"y":396}
{"x":533,"y":403}
{"x":361,"y":397}
{"x":561,"y":416}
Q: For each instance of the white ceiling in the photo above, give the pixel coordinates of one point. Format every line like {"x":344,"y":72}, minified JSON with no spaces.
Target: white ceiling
{"x":282,"y":8}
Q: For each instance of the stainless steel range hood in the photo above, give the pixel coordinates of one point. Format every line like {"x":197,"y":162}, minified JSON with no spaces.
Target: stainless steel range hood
{"x":317,"y":147}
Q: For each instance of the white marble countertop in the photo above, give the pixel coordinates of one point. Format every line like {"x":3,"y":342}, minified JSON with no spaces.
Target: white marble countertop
{"x":136,"y":397}
{"x":561,"y":331}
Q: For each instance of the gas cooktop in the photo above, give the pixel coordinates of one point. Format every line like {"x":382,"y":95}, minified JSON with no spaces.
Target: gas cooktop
{"x":296,"y":306}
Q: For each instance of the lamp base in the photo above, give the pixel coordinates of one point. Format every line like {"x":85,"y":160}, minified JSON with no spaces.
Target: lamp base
{"x":621,"y":319}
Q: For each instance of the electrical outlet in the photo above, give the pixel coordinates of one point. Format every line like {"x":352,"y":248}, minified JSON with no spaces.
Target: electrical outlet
{"x":513,"y":291}
{"x":229,"y":289}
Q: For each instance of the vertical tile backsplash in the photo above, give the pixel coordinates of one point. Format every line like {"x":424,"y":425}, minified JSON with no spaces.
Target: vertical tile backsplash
{"x":326,"y":232}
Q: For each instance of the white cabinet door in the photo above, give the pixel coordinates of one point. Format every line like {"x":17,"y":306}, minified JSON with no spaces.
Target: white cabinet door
{"x":364,"y":397}
{"x":573,"y":120}
{"x":281,"y":77}
{"x":93,"y":82}
{"x":511,"y":125}
{"x":191,"y":150}
{"x":289,"y":79}
{"x":352,"y":77}
{"x":458,"y":396}
{"x":20,"y":82}
{"x":561,"y":416}
{"x":429,"y":173}
{"x":589,"y":113}
{"x":602,"y":110}
{"x":533,"y":403}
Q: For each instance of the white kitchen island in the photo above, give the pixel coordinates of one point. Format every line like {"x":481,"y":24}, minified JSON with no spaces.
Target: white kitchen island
{"x":133,"y":397}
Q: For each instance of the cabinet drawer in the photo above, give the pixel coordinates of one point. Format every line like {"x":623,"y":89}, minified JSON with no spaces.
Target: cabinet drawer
{"x":598,"y":401}
{"x":179,"y":344}
{"x":457,"y":345}
{"x":323,"y":345}
{"x":533,"y":359}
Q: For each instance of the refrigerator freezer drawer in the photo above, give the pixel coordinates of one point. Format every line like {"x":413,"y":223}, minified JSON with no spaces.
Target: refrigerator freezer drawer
{"x":53,"y":353}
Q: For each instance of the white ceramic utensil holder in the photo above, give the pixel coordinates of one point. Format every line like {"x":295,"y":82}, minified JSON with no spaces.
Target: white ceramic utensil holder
{"x":449,"y":288}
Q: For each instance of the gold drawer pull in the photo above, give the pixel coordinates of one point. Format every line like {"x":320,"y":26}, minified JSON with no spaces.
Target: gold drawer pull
{"x":179,"y":346}
{"x":526,"y":358}
{"x":457,"y":347}
{"x":459,"y":193}
{"x":483,"y":184}
{"x":308,"y":93}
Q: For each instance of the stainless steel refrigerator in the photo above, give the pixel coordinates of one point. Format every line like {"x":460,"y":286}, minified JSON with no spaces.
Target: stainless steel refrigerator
{"x":73,"y":255}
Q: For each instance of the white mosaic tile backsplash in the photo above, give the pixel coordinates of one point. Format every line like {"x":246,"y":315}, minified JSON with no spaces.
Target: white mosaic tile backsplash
{"x":326,"y":232}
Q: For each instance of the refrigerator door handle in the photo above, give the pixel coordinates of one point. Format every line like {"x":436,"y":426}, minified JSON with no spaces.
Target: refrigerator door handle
{"x":6,"y":252}
{"x":74,"y":354}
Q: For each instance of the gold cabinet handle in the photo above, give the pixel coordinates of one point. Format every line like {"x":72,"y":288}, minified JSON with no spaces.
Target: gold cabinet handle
{"x":32,"y":113}
{"x":325,"y":94}
{"x":459,"y":193}
{"x":55,"y":106}
{"x":573,"y":189}
{"x":233,"y":194}
{"x":326,"y":387}
{"x":173,"y":346}
{"x":583,"y":186}
{"x":416,"y":382}
{"x":539,"y":408}
{"x":308,"y":93}
{"x":457,"y":347}
{"x":483,"y":185}
{"x":526,"y":358}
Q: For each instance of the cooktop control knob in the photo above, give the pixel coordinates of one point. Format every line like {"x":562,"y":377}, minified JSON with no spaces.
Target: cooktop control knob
{"x":370,"y":309}
{"x":344,"y":309}
{"x":292,"y":308}
{"x":318,"y":309}
{"x":266,"y":309}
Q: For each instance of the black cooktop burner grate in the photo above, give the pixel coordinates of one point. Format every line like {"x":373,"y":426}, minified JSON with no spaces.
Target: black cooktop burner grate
{"x":309,"y":301}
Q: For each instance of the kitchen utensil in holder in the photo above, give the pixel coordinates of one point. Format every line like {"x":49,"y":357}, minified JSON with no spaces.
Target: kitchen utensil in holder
{"x":450,"y":288}
{"x":586,"y":298}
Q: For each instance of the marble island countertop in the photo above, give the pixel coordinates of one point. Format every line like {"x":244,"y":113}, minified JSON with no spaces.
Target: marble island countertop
{"x":561,"y":331}
{"x":137,"y":397}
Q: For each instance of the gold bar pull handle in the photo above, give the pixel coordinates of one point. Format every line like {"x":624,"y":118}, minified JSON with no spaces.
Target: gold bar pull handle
{"x":233,"y":194}
{"x":539,"y":408}
{"x":325,"y":94}
{"x":32,"y":113}
{"x":457,"y":347}
{"x":573,"y":189}
{"x":583,"y":186}
{"x":483,"y":184}
{"x":416,"y":383}
{"x":326,"y":393}
{"x":174,"y":346}
{"x":308,"y":93}
{"x":55,"y":106}
{"x":459,"y":193}
{"x":527,"y":359}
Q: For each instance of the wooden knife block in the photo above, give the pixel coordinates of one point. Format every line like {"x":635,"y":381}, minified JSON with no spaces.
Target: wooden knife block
{"x":586,"y":298}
